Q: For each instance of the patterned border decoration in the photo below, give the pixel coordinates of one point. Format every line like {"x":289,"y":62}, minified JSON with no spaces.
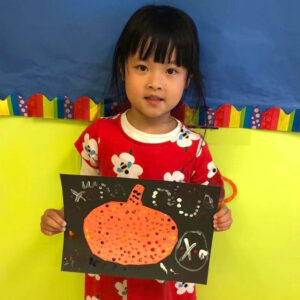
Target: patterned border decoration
{"x":86,"y":109}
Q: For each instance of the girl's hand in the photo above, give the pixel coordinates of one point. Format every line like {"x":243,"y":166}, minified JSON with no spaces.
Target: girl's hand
{"x":52,"y":221}
{"x":222,"y":219}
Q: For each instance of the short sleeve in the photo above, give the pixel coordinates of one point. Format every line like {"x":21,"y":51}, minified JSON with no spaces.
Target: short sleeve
{"x":205,"y":171}
{"x":88,"y":144}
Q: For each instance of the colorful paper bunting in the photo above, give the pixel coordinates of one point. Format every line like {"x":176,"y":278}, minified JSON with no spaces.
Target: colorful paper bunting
{"x":86,"y":109}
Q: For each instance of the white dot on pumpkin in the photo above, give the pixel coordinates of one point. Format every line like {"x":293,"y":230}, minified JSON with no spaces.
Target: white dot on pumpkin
{"x":181,"y":212}
{"x":186,"y":214}
{"x":257,"y":115}
{"x":22,"y":101}
{"x":179,"y":199}
{"x":22,"y":109}
{"x":256,"y":110}
{"x":67,"y":110}
{"x":69,"y":116}
{"x":178,"y":205}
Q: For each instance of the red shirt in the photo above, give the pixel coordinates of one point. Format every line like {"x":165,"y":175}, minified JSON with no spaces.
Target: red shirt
{"x":113,"y":147}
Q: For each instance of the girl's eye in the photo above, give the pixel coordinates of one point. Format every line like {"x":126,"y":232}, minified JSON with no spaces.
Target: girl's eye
{"x":141,"y":68}
{"x":172,"y":71}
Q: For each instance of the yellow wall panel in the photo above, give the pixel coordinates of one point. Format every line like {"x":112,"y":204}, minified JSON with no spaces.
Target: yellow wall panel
{"x":4,"y":110}
{"x":259,"y":258}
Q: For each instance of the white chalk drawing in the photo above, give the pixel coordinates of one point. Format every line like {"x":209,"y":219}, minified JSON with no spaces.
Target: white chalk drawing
{"x":68,"y":261}
{"x":158,"y":197}
{"x":191,"y":252}
{"x":203,"y":254}
{"x":163,"y":268}
{"x":78,"y":195}
{"x":101,"y":188}
{"x":113,"y":192}
{"x":186,"y":214}
{"x":88,"y":185}
{"x":208,"y":202}
{"x":188,"y":250}
{"x":118,"y":190}
{"x":167,"y":192}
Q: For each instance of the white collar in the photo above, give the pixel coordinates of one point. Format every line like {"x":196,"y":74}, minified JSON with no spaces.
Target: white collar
{"x":149,"y":138}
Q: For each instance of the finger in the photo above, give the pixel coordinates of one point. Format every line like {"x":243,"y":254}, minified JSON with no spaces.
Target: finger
{"x":223,"y":226}
{"x":221,"y":212}
{"x":225,"y":218}
{"x":57,"y":217}
{"x":52,"y":229}
{"x":47,"y":220}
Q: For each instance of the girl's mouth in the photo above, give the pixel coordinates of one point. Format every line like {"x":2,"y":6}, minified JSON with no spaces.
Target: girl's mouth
{"x":153,"y":98}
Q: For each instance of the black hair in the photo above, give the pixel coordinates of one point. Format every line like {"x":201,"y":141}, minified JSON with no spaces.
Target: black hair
{"x":159,"y":30}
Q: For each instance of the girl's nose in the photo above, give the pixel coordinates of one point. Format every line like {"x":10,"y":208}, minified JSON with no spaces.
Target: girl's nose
{"x":155,"y":81}
{"x":154,"y":87}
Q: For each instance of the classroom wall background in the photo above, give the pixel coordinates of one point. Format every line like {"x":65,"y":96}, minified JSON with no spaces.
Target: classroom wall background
{"x":259,"y":258}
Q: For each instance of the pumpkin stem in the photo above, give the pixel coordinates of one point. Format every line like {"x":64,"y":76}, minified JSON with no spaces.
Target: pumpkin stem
{"x":136,"y":194}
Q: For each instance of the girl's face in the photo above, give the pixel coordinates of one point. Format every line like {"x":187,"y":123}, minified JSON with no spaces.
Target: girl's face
{"x":152,"y":88}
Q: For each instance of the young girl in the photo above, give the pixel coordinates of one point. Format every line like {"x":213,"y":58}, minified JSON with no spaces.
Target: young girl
{"x":156,"y":59}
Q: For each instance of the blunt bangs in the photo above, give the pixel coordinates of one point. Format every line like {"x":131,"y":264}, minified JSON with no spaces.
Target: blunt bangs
{"x":159,"y":32}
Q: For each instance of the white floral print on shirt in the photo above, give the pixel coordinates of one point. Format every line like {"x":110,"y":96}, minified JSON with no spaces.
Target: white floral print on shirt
{"x":97,"y":276}
{"x":122,"y":289}
{"x":176,"y":176}
{"x":183,"y":287}
{"x":124,"y":166}
{"x":212,"y":169}
{"x":90,"y":150}
{"x":185,"y":137}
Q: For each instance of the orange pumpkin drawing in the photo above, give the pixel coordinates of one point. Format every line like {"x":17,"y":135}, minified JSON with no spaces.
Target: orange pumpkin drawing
{"x":130,"y":233}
